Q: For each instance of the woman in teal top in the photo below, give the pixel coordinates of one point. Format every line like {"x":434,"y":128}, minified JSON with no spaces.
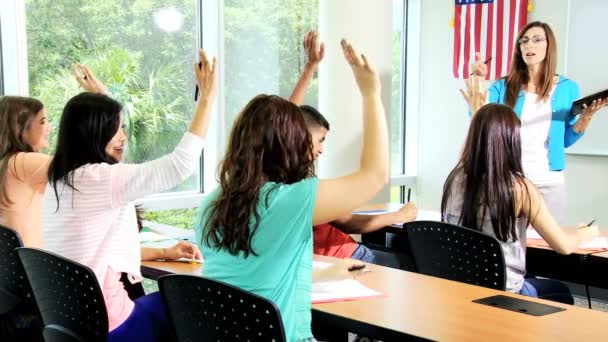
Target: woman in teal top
{"x":255,"y":229}
{"x":542,"y":101}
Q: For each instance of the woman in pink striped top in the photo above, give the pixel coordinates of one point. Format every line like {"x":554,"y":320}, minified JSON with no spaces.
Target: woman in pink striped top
{"x":89,"y":215}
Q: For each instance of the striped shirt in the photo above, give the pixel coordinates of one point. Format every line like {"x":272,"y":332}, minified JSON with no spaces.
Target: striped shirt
{"x":96,"y":225}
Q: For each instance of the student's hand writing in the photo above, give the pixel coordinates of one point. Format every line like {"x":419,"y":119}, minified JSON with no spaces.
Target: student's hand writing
{"x":587,"y":233}
{"x":475,"y":94}
{"x":314,"y":51}
{"x":206,"y":76}
{"x":407,"y":213}
{"x":87,"y":79}
{"x":183,"y":249}
{"x":479,"y":68}
{"x":365,"y":74}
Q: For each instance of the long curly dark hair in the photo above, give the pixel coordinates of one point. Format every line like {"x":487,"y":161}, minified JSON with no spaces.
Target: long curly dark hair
{"x":269,"y":142}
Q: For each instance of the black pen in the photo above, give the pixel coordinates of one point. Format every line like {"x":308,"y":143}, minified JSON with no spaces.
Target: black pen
{"x":356,"y":267}
{"x":486,"y":62}
{"x":409,"y":192}
{"x":590,"y":223}
{"x":200,"y":65}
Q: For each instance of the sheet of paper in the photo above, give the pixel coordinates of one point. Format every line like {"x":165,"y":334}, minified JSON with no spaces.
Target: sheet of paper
{"x":428,"y":215}
{"x":598,"y":242}
{"x":152,"y":237}
{"x":371,"y":212}
{"x":190,"y":261}
{"x":340,"y":290}
{"x":320,"y":265}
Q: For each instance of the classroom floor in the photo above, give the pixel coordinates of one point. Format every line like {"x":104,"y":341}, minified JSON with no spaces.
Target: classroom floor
{"x":595,"y":305}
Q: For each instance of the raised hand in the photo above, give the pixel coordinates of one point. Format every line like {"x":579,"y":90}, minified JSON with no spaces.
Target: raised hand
{"x":479,"y":68}
{"x":87,"y":79}
{"x":475,"y":94}
{"x":314,"y":51}
{"x":206,"y":76}
{"x":365,"y":74}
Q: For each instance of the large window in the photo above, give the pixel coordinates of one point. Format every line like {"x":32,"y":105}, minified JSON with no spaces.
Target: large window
{"x":263,"y":49}
{"x":142,"y":50}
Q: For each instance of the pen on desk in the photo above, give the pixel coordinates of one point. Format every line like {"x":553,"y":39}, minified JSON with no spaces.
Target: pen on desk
{"x":486,"y":62}
{"x":590,"y":223}
{"x":356,"y":267}
{"x":409,"y":193}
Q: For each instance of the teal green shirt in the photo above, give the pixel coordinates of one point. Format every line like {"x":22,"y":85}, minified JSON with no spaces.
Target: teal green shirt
{"x":282,"y":269}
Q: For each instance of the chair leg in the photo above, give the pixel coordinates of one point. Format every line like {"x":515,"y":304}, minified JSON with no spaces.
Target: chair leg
{"x":588,"y":295}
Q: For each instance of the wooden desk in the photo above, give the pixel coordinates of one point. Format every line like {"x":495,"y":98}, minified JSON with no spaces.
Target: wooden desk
{"x":424,"y":307}
{"x":580,"y":267}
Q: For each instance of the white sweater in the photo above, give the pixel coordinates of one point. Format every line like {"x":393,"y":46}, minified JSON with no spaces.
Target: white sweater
{"x":96,"y":225}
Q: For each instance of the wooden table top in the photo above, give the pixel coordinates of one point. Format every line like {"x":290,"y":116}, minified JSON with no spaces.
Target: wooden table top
{"x":531,"y":243}
{"x":439,"y":309}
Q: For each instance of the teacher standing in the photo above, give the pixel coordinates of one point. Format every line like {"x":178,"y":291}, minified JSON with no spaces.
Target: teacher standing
{"x":543,"y":102}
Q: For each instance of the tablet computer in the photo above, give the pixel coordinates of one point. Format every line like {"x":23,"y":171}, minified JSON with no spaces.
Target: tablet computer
{"x":577,"y":106}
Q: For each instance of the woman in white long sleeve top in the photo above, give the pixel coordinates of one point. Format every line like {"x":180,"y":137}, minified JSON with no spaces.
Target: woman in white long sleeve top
{"x":89,"y":215}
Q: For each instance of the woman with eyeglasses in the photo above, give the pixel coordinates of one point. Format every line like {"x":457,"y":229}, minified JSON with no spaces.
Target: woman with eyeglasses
{"x":542,"y":101}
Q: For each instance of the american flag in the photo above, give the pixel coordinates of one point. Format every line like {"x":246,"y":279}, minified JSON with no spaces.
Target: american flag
{"x":489,"y":27}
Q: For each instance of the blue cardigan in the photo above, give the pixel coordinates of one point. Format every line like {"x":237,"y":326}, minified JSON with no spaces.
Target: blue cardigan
{"x":561,"y":131}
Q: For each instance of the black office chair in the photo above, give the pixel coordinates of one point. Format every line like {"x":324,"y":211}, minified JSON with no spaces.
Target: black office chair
{"x":17,"y":305}
{"x":68,"y":296}
{"x":456,"y":253}
{"x":204,"y":309}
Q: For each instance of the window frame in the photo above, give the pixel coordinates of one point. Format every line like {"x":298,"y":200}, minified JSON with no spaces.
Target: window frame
{"x":210,"y":37}
{"x":409,"y":99}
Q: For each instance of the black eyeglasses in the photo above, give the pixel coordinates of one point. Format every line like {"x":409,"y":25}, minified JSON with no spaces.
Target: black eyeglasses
{"x":535,"y":40}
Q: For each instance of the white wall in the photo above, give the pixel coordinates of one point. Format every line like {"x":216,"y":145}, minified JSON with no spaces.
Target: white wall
{"x":443,"y":119}
{"x":368,"y":26}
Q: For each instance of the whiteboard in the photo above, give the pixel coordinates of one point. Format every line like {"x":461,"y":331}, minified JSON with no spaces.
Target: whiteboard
{"x":587,"y":64}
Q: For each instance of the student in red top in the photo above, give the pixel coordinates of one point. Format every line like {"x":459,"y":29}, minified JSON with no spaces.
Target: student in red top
{"x":333,"y":238}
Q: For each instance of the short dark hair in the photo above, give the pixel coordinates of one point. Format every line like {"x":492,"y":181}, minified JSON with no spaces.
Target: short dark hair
{"x":313,"y":116}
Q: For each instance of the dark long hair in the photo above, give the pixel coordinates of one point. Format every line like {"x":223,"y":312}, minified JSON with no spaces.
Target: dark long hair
{"x":490,"y":169}
{"x":518,"y":73}
{"x":269,"y":142}
{"x":16,"y":116}
{"x":88,"y":123}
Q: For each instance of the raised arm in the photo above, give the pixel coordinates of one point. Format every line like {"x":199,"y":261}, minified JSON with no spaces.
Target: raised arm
{"x":87,"y":80}
{"x":360,"y":224}
{"x":475,"y":94}
{"x":339,"y":196}
{"x":133,"y":181}
{"x":314,"y":55}
{"x":533,"y":206}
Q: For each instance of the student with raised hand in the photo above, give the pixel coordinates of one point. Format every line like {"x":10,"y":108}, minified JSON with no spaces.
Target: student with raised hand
{"x":24,"y":133}
{"x":333,"y":239}
{"x":487,"y":191}
{"x":255,"y":229}
{"x":543,"y":102}
{"x":89,"y":211}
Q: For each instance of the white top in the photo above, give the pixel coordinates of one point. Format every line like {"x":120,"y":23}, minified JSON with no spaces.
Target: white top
{"x":535,"y":122}
{"x":96,"y":225}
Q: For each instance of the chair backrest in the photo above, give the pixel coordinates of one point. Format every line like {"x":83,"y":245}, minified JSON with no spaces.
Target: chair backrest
{"x":14,"y":287}
{"x":456,"y":253}
{"x":204,"y":309}
{"x":68,"y":295}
